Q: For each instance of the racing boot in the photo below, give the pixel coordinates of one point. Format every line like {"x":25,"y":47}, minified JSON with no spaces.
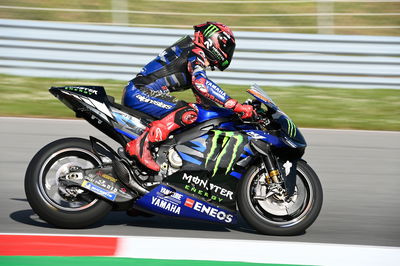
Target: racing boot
{"x":158,"y":131}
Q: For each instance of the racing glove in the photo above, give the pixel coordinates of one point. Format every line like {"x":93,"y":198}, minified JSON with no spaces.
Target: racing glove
{"x":245,"y":110}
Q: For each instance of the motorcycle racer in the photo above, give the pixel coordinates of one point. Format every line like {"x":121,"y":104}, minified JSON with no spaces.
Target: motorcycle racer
{"x":179,"y":67}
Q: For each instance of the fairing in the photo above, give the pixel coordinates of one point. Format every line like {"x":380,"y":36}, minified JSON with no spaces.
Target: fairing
{"x":216,"y":151}
{"x":92,"y":103}
{"x":167,"y":201}
{"x":212,"y":112}
{"x":211,"y":166}
{"x":289,"y":135}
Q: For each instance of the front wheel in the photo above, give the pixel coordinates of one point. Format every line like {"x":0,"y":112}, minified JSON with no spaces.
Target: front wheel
{"x":276,"y":215}
{"x":66,"y":207}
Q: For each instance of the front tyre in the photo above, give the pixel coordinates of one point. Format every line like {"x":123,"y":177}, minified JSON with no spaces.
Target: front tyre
{"x":277,"y":216}
{"x":65,"y":207}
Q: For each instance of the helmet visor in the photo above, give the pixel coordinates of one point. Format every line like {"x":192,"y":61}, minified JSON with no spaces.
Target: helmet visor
{"x":228,"y":50}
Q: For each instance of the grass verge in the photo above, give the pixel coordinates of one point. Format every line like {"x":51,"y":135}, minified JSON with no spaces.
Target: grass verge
{"x":372,"y":109}
{"x":105,"y":261}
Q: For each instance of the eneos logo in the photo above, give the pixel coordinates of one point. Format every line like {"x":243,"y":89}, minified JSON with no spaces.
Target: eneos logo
{"x":208,"y":210}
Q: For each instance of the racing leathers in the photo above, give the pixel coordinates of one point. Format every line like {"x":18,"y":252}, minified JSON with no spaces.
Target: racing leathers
{"x":179,"y":67}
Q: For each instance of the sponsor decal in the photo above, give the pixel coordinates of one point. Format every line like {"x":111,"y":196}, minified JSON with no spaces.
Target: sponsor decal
{"x":208,"y":43}
{"x":288,"y":165}
{"x":208,"y":186}
{"x":203,"y":193}
{"x":158,"y":135}
{"x":112,"y":179}
{"x":254,"y":135}
{"x":216,"y":53}
{"x":98,"y":190}
{"x":156,"y":103}
{"x":166,"y":205}
{"x":230,"y":136}
{"x":292,"y":131}
{"x":189,"y":203}
{"x":168,"y":200}
{"x":226,"y":35}
{"x":104,"y":184}
{"x":201,"y":88}
{"x":103,"y":180}
{"x":171,"y":193}
{"x":217,"y":89}
{"x":211,"y":211}
{"x":211,"y":29}
{"x":83,"y":90}
{"x":165,"y":200}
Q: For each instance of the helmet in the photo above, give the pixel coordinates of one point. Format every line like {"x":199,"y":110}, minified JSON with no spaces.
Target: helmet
{"x":217,"y":42}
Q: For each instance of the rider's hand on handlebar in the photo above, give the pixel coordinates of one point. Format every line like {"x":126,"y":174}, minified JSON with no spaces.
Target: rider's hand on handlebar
{"x":245,"y":110}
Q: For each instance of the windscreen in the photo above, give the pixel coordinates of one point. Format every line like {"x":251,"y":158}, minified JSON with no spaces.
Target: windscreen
{"x":262,"y":96}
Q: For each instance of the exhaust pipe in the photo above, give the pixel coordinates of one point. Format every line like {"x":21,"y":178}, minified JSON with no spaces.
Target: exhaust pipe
{"x":122,"y":172}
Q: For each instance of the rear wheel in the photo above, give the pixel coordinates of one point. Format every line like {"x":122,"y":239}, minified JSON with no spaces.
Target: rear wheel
{"x":274,"y":215}
{"x":66,"y":207}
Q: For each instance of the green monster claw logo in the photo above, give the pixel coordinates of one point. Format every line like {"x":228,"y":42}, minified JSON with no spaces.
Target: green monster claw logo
{"x":210,"y":31}
{"x":228,"y":135}
{"x":291,"y":128}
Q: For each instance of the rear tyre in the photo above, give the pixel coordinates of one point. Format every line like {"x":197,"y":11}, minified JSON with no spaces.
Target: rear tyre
{"x":275,"y":216}
{"x":47,"y":196}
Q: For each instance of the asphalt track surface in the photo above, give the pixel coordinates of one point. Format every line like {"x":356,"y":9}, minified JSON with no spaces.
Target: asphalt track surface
{"x":359,"y":171}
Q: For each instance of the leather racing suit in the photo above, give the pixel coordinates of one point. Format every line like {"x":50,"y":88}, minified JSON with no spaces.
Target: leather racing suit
{"x":179,"y":67}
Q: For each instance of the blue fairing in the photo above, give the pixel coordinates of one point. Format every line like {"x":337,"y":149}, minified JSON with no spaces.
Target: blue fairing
{"x":211,"y":113}
{"x":165,"y":200}
{"x":259,"y":134}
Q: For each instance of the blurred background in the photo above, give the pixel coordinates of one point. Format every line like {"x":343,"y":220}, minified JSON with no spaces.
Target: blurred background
{"x":370,"y":17}
{"x":329,"y":64}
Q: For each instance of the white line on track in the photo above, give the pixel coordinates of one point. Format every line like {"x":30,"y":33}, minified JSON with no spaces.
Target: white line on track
{"x":255,"y":251}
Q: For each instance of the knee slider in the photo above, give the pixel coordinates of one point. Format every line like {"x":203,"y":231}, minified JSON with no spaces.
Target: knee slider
{"x":186,"y":115}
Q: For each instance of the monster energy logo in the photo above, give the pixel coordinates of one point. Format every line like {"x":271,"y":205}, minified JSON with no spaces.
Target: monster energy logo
{"x":227,"y":136}
{"x":291,"y":128}
{"x":210,"y":30}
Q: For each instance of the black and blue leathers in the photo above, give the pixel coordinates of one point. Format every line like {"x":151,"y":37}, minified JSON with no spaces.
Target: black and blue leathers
{"x":179,"y":67}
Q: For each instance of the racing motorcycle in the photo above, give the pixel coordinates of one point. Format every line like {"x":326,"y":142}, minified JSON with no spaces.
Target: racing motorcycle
{"x":214,"y":170}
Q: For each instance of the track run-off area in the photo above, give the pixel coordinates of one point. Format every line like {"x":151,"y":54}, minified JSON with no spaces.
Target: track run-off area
{"x":359,"y":223}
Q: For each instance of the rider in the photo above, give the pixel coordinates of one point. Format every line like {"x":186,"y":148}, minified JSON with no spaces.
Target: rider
{"x":180,"y":67}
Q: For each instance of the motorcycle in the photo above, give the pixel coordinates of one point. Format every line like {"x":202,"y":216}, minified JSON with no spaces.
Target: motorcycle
{"x":214,"y":170}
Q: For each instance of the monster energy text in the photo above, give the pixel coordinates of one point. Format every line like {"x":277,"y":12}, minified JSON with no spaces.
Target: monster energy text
{"x":208,"y":187}
{"x":84,"y":90}
{"x":202,"y":193}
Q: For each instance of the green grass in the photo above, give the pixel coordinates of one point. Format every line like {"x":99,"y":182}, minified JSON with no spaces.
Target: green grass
{"x":308,"y":106}
{"x":107,"y":261}
{"x":215,"y":8}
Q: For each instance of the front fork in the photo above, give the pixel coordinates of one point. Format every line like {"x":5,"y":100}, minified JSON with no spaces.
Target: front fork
{"x":280,"y":174}
{"x":272,"y":174}
{"x":277,"y":175}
